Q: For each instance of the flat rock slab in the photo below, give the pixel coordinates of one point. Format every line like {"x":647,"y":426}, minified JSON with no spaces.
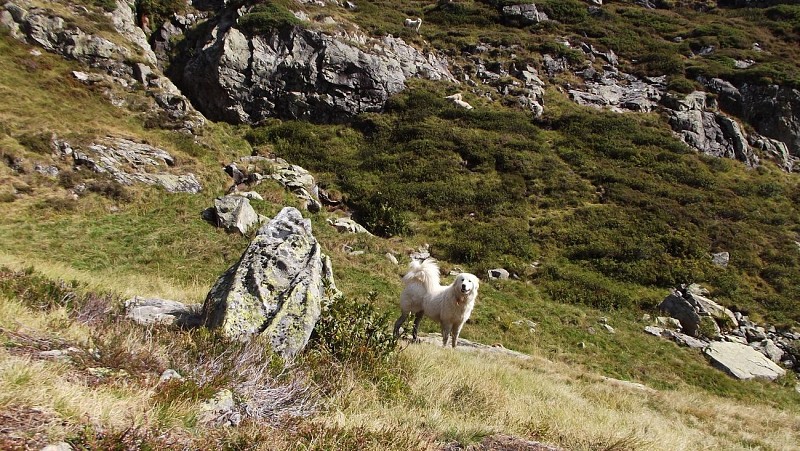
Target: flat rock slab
{"x":742,"y":362}
{"x":147,"y":311}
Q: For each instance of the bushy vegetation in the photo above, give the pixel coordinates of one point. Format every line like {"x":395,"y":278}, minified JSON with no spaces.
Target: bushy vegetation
{"x":267,"y":17}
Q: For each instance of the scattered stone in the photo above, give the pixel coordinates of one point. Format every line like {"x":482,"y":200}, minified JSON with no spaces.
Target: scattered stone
{"x":531,"y":325}
{"x":347,"y":225}
{"x":103,"y":372}
{"x":685,"y":340}
{"x":60,"y":446}
{"x":150,"y":311}
{"x":391,"y":258}
{"x":609,"y":329}
{"x":421,"y":253}
{"x":233,"y":213}
{"x":742,"y":362}
{"x":498,"y":273}
{"x":653,"y":330}
{"x":669,"y":323}
{"x":219,"y":410}
{"x":277,"y":287}
{"x":169,"y":374}
{"x":627,"y":384}
{"x":720,"y":259}
{"x":522,"y":15}
{"x":251,"y":195}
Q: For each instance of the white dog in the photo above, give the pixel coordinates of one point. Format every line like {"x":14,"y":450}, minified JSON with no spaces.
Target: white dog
{"x":414,"y":24}
{"x":450,"y":305}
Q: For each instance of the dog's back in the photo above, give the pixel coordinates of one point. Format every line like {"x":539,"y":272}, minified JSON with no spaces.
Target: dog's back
{"x":422,"y":278}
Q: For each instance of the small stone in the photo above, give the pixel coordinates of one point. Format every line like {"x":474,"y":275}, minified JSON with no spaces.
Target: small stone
{"x":169,"y":374}
{"x":391,"y":258}
{"x":609,"y":329}
{"x":61,"y":446}
{"x":498,"y":273}
{"x":653,"y":330}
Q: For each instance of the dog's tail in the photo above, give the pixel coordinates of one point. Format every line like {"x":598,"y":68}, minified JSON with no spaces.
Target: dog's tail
{"x":425,"y":272}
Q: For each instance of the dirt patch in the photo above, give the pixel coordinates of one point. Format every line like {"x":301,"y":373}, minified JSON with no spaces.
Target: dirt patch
{"x":25,"y":428}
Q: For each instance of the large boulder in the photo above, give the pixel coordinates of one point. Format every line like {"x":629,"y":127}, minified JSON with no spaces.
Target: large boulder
{"x":681,"y":309}
{"x":277,"y":287}
{"x":742,"y":361}
{"x":237,"y":76}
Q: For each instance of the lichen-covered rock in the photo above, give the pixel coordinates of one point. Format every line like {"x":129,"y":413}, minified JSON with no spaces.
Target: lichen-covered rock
{"x":277,"y":287}
{"x":130,"y":162}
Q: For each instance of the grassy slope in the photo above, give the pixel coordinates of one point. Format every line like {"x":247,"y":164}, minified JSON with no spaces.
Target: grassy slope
{"x":157,"y":245}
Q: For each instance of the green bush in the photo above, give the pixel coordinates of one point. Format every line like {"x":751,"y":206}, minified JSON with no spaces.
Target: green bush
{"x":354,"y":332}
{"x":267,"y":17}
{"x":565,"y":11}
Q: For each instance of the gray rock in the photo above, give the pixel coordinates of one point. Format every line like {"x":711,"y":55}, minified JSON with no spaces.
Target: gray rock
{"x":709,"y":132}
{"x":742,"y":362}
{"x":219,"y":410}
{"x":522,"y":15}
{"x":277,"y":287}
{"x":682,"y":310}
{"x":609,"y":329}
{"x":771,"y":350}
{"x":168,"y":375}
{"x":299,"y":73}
{"x":498,"y":273}
{"x":775,"y":150}
{"x":735,"y":339}
{"x":149,"y":311}
{"x":653,"y":330}
{"x":391,"y":258}
{"x":685,"y":340}
{"x":129,"y":162}
{"x":233,"y":213}
{"x":60,"y":446}
{"x":706,"y":306}
{"x":755,"y":334}
{"x":720,"y":259}
{"x":124,"y":21}
{"x":668,"y":323}
{"x":347,"y":225}
{"x":531,"y":325}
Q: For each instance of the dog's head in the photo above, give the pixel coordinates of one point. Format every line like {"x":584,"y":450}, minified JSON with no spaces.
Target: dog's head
{"x":466,"y":284}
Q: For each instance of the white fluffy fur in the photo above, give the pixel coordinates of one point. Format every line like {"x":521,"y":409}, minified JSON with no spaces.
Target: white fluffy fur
{"x":449,"y":305}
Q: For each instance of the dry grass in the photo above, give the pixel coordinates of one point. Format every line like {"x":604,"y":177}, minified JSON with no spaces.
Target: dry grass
{"x":464,"y":396}
{"x":126,"y":285}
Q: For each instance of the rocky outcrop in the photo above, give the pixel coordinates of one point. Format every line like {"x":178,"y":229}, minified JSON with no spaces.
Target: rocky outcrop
{"x":116,"y":63}
{"x":252,"y":170}
{"x":277,"y":287}
{"x":298,"y":73}
{"x":129,"y":162}
{"x":742,"y":361}
{"x":698,"y":123}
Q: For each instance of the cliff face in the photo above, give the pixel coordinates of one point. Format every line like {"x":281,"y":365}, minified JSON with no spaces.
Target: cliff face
{"x":293,"y":72}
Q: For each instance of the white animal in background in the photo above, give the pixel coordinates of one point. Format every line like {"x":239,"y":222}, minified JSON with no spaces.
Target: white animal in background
{"x":413,"y":23}
{"x":450,"y":305}
{"x":456,"y":99}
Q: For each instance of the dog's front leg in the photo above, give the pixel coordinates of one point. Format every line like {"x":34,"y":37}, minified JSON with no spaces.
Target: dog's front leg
{"x":446,"y":333}
{"x":456,"y":334}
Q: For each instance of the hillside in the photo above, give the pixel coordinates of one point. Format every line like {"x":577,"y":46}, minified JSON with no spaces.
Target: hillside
{"x":601,"y":153}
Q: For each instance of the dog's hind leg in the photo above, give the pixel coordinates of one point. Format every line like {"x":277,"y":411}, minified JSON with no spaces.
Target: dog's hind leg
{"x":400,"y":322}
{"x":417,"y":319}
{"x":446,"y":333}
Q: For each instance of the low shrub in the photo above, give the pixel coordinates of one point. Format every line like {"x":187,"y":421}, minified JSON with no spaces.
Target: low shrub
{"x":267,"y":17}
